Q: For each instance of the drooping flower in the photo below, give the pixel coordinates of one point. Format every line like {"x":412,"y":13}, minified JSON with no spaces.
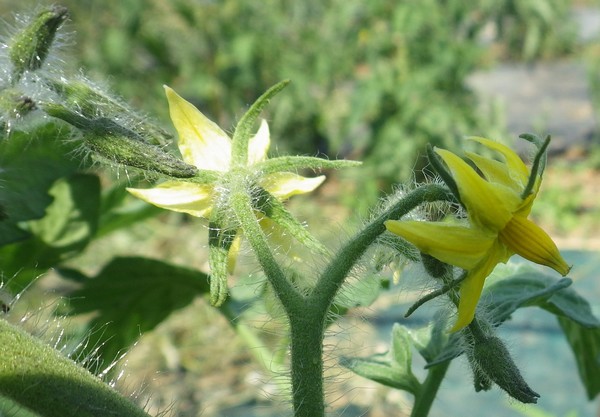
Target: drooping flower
{"x":206,"y":146}
{"x":497,"y":210}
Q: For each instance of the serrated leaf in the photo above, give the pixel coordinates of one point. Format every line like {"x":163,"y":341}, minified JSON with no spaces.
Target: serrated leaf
{"x":29,"y":164}
{"x":72,"y":218}
{"x":131,"y":296}
{"x":522,"y":290}
{"x":569,"y":304}
{"x":585,"y":344}
{"x":66,"y":229}
{"x":393,"y":369}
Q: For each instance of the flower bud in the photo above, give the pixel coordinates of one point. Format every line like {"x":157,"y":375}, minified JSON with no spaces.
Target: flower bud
{"x":91,"y":101}
{"x":116,"y":143}
{"x":491,"y":361}
{"x":29,"y":48}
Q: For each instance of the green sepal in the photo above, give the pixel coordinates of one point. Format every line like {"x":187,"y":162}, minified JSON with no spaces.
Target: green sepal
{"x":116,"y":143}
{"x":442,"y":171}
{"x":220,"y":240}
{"x":295,"y":163}
{"x":539,"y":162}
{"x":276,"y":211}
{"x":29,"y":49}
{"x":243,"y":130}
{"x":393,"y":369}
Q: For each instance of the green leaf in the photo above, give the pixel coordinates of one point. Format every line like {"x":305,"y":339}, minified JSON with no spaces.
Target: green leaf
{"x":400,"y":352}
{"x":585,"y":344}
{"x":29,"y":164}
{"x":378,"y":368}
{"x":392,"y":369}
{"x":132,"y":295}
{"x":431,"y":340}
{"x":69,"y":225}
{"x":532,"y":288}
{"x":117,"y":211}
{"x":521,"y":290}
{"x":71,"y":220}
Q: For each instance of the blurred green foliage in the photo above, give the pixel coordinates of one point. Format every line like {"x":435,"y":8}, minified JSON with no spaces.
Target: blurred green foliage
{"x":371,"y":80}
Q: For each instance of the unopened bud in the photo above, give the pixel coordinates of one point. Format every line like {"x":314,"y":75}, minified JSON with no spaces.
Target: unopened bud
{"x":116,"y":143}
{"x":29,"y":48}
{"x":491,"y":361}
{"x":91,"y":102}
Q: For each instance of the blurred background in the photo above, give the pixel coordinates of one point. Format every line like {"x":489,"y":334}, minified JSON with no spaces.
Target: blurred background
{"x":371,"y":80}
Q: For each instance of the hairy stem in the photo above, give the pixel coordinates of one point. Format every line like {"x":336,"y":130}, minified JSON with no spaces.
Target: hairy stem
{"x":426,"y":395}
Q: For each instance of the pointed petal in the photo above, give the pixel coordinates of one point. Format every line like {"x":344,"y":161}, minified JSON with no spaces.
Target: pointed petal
{"x":489,"y":205}
{"x":286,"y":184}
{"x":202,"y":143}
{"x":515,"y":165}
{"x":495,"y":171}
{"x":259,"y":144}
{"x":455,"y":245}
{"x":471,"y":287}
{"x":531,"y":242}
{"x":178,"y":196}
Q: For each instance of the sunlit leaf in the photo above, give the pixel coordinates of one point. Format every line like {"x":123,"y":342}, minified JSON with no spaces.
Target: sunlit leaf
{"x":132,"y":296}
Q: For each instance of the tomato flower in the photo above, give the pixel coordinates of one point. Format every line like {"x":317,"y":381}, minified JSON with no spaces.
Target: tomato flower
{"x":498,"y":226}
{"x":205,"y":145}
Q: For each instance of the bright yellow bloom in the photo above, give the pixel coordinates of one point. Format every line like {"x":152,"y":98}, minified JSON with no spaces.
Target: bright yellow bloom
{"x":205,"y":145}
{"x":498,"y":224}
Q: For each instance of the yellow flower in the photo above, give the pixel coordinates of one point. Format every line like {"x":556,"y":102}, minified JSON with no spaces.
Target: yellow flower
{"x":205,"y":145}
{"x":498,"y":224}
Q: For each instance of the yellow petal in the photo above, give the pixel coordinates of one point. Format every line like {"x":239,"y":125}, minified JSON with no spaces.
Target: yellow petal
{"x":178,"y":196}
{"x":471,"y":287}
{"x":516,"y":167}
{"x":286,"y":184}
{"x":233,"y":253}
{"x":258,"y":146}
{"x":495,"y":171}
{"x":489,"y":205}
{"x":201,"y":142}
{"x":455,"y":245}
{"x":527,"y":239}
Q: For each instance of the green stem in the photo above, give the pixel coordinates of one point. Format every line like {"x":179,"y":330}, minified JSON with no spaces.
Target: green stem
{"x":426,"y":395}
{"x":336,"y":272}
{"x":39,"y":378}
{"x":242,"y":206}
{"x":307,"y":315}
{"x":307,"y":362}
